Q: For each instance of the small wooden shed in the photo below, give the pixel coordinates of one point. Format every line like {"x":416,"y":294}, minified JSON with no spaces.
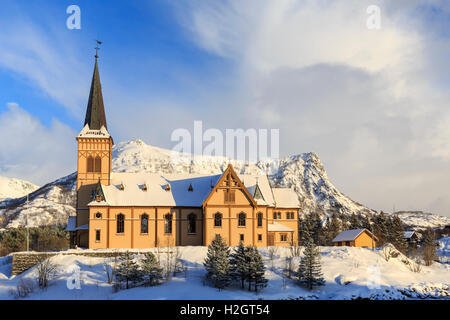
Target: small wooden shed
{"x":362,"y":238}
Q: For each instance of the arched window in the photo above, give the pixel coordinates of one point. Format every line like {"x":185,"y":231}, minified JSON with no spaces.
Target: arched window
{"x":98,"y":164}
{"x":192,"y":218}
{"x":260,"y":219}
{"x":144,"y":223}
{"x":120,"y":223}
{"x":218,"y":219}
{"x":90,"y":164}
{"x":168,"y":223}
{"x":241,"y":219}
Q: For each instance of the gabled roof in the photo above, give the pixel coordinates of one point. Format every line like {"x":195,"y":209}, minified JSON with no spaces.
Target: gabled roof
{"x":179,"y":194}
{"x":233,"y":174}
{"x":409,"y":234}
{"x":350,"y":235}
{"x":95,"y":112}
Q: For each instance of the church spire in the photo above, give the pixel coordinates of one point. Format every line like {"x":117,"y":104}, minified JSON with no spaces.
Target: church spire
{"x":95,"y":113}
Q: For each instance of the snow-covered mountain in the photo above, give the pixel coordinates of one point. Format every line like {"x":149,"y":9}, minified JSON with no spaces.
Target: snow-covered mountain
{"x":54,"y":202}
{"x":15,"y":188}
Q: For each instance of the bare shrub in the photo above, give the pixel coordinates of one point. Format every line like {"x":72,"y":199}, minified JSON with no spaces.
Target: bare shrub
{"x":295,"y":250}
{"x":272,"y":251}
{"x":23,"y":289}
{"x":289,"y":266}
{"x":390,"y":252}
{"x":47,"y":270}
{"x":415,"y":266}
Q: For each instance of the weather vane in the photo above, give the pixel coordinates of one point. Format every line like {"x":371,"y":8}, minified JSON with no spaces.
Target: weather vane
{"x":97,"y":48}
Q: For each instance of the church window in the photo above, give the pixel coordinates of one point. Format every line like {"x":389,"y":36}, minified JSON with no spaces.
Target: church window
{"x":241,"y":219}
{"x":260,"y":219}
{"x":97,"y":235}
{"x":98,"y":215}
{"x":259,"y":237}
{"x":98,"y":164}
{"x":144,"y":224}
{"x":168,"y":223}
{"x":190,"y":189}
{"x":241,"y":237}
{"x":90,"y":164}
{"x":191,"y":222}
{"x":120,"y":223}
{"x":218,"y":219}
{"x":283,"y":237}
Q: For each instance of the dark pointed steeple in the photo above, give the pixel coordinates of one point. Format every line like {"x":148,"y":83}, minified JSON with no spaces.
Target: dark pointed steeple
{"x":95,"y":113}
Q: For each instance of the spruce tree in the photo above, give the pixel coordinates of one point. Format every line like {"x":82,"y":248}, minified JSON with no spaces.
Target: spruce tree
{"x":397,"y":235}
{"x":152,"y":272}
{"x":239,"y":264}
{"x":355,"y":223}
{"x":429,"y":247}
{"x":309,"y":271}
{"x":256,"y":269}
{"x":217,"y":263}
{"x":128,"y":271}
{"x":334,"y":227}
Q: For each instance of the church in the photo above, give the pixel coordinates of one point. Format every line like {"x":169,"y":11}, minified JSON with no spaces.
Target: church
{"x":146,"y":210}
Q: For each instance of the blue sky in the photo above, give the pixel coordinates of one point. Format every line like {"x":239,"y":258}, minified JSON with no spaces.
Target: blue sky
{"x":372,"y":104}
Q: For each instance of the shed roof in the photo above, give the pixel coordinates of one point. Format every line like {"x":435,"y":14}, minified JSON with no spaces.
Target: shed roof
{"x":276,"y":227}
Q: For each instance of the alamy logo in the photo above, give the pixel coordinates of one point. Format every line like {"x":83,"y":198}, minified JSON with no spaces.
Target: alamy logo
{"x":373,"y":277}
{"x":74,"y":20}
{"x":374,"y":19}
{"x":249,"y":145}
{"x":74,"y":281}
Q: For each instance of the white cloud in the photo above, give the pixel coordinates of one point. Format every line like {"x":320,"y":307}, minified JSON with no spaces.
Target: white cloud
{"x":31,"y":151}
{"x":373,"y":104}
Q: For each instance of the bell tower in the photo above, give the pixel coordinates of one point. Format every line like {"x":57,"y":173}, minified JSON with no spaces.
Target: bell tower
{"x":94,"y":156}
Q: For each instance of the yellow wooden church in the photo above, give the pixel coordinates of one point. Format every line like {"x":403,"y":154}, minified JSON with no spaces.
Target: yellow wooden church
{"x":144,"y":210}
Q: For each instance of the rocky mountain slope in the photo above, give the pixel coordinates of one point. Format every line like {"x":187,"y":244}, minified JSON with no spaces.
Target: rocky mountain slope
{"x":54,"y":202}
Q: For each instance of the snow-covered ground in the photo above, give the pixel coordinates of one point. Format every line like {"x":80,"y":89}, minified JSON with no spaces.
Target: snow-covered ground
{"x":349,"y":272}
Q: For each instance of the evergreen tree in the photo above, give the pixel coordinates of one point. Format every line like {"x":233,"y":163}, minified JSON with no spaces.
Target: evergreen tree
{"x":151,"y":270}
{"x":217,"y":263}
{"x":256,"y":269}
{"x":380,"y":228}
{"x":429,"y":247}
{"x":397,"y":235}
{"x":334,"y":227}
{"x":355,"y":223}
{"x":309,"y":271}
{"x":128,"y":271}
{"x":239,"y":264}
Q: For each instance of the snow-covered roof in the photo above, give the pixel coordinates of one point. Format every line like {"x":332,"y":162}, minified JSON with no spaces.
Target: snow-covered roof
{"x":178,"y":194}
{"x":409,"y":234}
{"x":250,"y":181}
{"x":71,"y":223}
{"x":156,"y":195}
{"x":174,"y":190}
{"x":350,"y":235}
{"x":285,"y":198}
{"x":276,"y":227}
{"x":88,"y":133}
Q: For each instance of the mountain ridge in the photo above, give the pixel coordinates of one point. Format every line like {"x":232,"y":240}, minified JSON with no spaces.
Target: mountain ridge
{"x":305,"y":173}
